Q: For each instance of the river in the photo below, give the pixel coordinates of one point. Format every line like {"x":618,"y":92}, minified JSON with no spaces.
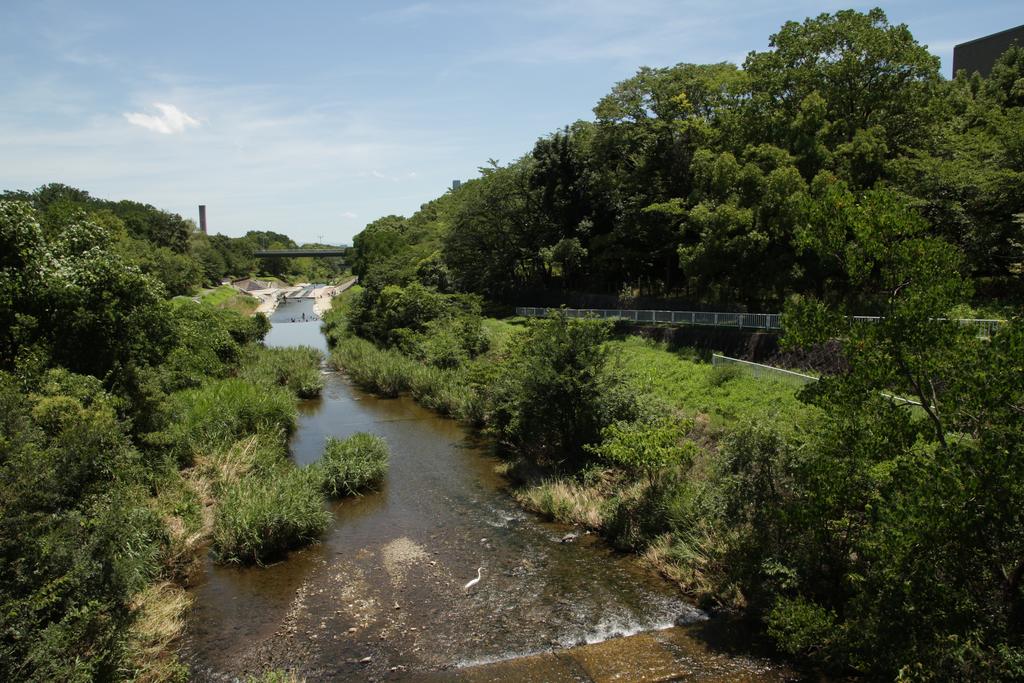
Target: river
{"x":382,"y":596}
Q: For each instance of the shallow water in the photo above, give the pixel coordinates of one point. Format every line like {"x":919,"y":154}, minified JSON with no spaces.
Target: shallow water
{"x":387,"y":580}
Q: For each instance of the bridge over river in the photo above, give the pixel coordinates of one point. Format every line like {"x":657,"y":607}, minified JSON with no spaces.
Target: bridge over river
{"x":332,"y":251}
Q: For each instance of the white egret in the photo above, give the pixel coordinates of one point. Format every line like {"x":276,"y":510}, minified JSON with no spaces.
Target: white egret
{"x":474,"y":581}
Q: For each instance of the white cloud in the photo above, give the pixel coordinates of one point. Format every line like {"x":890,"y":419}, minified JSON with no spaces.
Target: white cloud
{"x":349,"y":214}
{"x":169,"y":121}
{"x":411,"y":175}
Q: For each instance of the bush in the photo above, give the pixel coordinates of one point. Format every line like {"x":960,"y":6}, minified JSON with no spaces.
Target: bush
{"x":76,"y":537}
{"x":558,"y":390}
{"x":665,"y":501}
{"x":260,"y":519}
{"x":351,"y":465}
{"x":204,"y":348}
{"x":642,"y":446}
{"x":443,"y":347}
{"x":444,"y":330}
{"x":720,"y":374}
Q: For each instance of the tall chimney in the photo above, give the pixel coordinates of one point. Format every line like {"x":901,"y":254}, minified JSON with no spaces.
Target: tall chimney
{"x":202,"y":218}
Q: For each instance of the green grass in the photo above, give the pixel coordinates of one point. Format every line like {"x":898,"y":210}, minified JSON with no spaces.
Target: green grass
{"x":260,"y":518}
{"x":222,"y":411}
{"x":499,"y":332}
{"x":694,"y":388}
{"x":295,"y":368}
{"x":389,"y":373}
{"x":352,"y":465}
{"x":384,"y":372}
{"x":224,"y":297}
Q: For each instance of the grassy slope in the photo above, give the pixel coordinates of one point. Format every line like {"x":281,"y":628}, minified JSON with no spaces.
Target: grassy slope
{"x":230,"y":298}
{"x":225,"y":297}
{"x":695,"y":388}
{"x":688,"y":385}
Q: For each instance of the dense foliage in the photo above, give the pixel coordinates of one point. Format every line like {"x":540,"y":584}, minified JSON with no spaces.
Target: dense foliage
{"x":701,"y":182}
{"x":443,"y":330}
{"x":108,"y":390}
{"x":564,"y":363}
{"x":874,"y":528}
{"x":168,"y":247}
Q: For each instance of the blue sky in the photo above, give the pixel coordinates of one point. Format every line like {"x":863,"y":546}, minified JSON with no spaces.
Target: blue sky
{"x":313,"y":118}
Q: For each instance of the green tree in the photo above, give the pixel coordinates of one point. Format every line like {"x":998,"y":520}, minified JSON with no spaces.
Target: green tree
{"x":25,"y":266}
{"x":76,"y":543}
{"x":839,"y":79}
{"x":497,"y":233}
{"x":561,"y":362}
{"x":898,"y":531}
{"x":377,"y":242}
{"x":968,"y":179}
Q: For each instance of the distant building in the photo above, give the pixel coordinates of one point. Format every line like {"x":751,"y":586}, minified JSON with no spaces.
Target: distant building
{"x":456,"y":184}
{"x":981,"y":53}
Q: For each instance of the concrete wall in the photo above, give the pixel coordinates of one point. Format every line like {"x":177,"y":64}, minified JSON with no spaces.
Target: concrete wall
{"x":744,"y":344}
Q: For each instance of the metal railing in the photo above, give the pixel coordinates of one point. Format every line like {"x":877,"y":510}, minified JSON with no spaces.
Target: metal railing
{"x":986,"y":326}
{"x":758,"y":371}
{"x":749,"y":321}
{"x":756,"y":321}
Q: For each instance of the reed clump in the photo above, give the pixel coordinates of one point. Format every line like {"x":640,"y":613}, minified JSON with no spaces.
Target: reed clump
{"x":222,"y":411}
{"x":352,"y":465}
{"x":294,"y":368}
{"x":566,"y":501}
{"x":261,"y":518}
{"x":389,"y":373}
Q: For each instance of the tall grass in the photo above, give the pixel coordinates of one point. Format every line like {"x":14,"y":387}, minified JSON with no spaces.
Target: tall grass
{"x":159,"y":620}
{"x":389,"y":373}
{"x":259,"y":455}
{"x":218,"y":413}
{"x":296,"y":368}
{"x":351,"y":465}
{"x":566,"y":501}
{"x":384,"y":372}
{"x":261,"y":518}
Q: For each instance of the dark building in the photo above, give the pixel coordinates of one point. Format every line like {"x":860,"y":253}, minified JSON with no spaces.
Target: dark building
{"x":981,"y":53}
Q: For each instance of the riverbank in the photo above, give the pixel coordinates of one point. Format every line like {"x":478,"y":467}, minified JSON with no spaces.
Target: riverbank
{"x":322,"y":296}
{"x":382,"y":596}
{"x":708,"y":408}
{"x":224,"y":450}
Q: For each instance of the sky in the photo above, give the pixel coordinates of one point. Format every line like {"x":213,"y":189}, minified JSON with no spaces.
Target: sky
{"x":315,"y":118}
